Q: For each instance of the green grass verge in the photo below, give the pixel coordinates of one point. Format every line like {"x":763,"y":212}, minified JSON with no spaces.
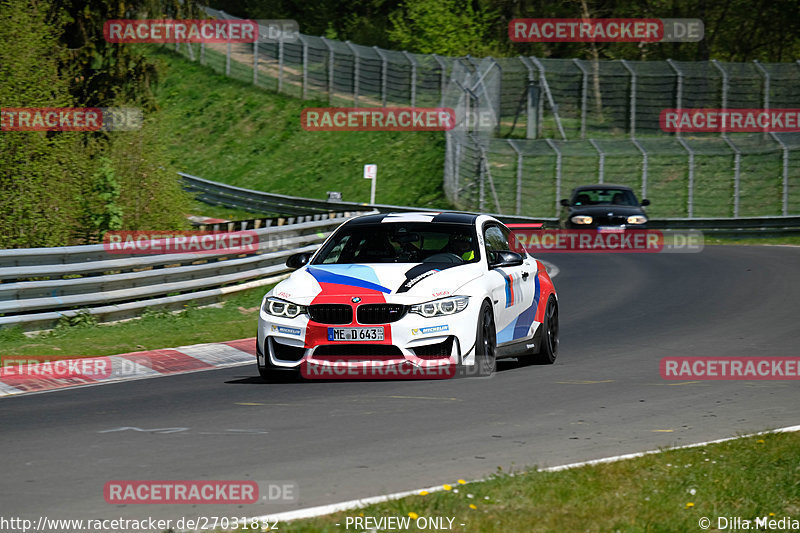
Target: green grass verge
{"x":236,"y":319}
{"x":748,"y":478}
{"x":230,"y":131}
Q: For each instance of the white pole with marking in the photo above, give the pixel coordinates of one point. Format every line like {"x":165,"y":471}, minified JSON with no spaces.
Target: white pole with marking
{"x":371,"y":173}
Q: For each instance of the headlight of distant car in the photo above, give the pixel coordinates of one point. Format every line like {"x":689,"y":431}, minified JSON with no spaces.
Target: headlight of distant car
{"x":278,"y":307}
{"x":581,"y":219}
{"x":444,"y":306}
{"x":637,"y":219}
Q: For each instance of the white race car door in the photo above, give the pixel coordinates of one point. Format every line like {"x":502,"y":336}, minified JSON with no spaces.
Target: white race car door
{"x":512,"y":287}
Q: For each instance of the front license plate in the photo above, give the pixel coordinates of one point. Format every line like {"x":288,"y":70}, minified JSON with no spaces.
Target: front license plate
{"x":610,"y":229}
{"x":355,"y":334}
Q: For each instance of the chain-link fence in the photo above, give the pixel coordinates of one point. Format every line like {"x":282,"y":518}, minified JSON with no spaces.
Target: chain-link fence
{"x":530,"y":129}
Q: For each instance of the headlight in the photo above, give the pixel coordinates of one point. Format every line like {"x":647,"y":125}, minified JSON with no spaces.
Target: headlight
{"x":637,"y":219}
{"x":581,"y":219}
{"x":445,"y":306}
{"x":278,"y":307}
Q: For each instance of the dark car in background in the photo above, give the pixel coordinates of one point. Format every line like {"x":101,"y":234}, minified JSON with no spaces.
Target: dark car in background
{"x":603,"y":206}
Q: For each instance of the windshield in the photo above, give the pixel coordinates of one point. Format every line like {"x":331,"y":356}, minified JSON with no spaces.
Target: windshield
{"x":604,"y":196}
{"x":399,"y":242}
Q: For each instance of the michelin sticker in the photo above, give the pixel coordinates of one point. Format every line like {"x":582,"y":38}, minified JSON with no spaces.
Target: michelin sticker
{"x":430,"y":329}
{"x":286,"y":330}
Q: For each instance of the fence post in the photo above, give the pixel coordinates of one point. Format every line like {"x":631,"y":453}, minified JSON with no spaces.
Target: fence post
{"x":785,"y":148}
{"x":442,"y":77}
{"x":305,"y":67}
{"x":764,"y":72}
{"x":546,"y":87}
{"x":255,"y":60}
{"x":584,"y":94}
{"x":356,"y":72}
{"x":518,"y":208}
{"x":644,"y":166}
{"x":531,"y":105}
{"x":202,"y":52}
{"x":384,"y":69}
{"x":412,"y":60}
{"x":724,"y":83}
{"x":330,"y":69}
{"x":280,"y":64}
{"x":678,"y":90}
{"x":737,"y":160}
{"x":690,"y":199}
{"x":602,"y":163}
{"x":486,"y":173}
{"x":558,"y":174}
{"x":633,"y":97}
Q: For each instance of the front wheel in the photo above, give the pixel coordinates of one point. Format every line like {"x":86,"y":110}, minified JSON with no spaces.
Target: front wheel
{"x":485,"y":342}
{"x":548,"y":350}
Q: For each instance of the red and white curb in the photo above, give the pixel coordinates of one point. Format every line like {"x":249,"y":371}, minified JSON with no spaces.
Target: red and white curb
{"x":124,"y":367}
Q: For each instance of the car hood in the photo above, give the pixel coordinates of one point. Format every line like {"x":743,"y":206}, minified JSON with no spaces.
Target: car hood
{"x":396,"y":282}
{"x":603,"y":210}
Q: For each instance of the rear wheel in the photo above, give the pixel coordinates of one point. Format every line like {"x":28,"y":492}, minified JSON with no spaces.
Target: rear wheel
{"x":548,"y":349}
{"x":485,"y":342}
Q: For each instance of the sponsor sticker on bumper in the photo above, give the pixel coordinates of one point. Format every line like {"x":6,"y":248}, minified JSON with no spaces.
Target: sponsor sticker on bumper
{"x":286,"y":330}
{"x":429,"y":329}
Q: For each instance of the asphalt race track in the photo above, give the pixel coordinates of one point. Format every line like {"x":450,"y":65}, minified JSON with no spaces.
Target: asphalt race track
{"x":620,"y":314}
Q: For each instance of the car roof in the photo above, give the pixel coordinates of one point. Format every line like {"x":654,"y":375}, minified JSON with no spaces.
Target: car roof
{"x":421,"y":216}
{"x":601,"y":186}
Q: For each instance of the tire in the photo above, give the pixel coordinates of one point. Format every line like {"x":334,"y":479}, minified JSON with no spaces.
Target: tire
{"x":548,"y":348}
{"x":485,"y":342}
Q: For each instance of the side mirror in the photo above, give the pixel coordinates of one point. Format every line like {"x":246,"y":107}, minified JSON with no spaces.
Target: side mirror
{"x":298,"y":260}
{"x":565,"y":202}
{"x":645,"y":202}
{"x":504,"y":259}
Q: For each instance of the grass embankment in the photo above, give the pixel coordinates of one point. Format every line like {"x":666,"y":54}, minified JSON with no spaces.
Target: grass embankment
{"x":750,"y":478}
{"x":230,"y":131}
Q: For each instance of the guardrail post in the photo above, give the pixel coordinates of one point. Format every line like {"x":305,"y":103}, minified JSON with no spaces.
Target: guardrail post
{"x":785,"y":148}
{"x":331,"y":59}
{"x":413,"y":92}
{"x":690,"y":199}
{"x":633,"y":97}
{"x":558,"y":173}
{"x":602,"y":163}
{"x":644,"y":166}
{"x":584,"y":94}
{"x":518,"y":209}
{"x":356,"y":71}
{"x":737,"y":159}
{"x":384,"y":70}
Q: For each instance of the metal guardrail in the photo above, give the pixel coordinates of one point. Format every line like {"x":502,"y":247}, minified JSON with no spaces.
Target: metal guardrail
{"x":216,"y":193}
{"x":39,"y":286}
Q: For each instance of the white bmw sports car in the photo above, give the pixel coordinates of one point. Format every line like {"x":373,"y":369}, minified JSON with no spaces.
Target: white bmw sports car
{"x":414,"y":290}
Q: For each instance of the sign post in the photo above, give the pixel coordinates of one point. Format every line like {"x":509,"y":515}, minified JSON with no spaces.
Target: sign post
{"x":371,"y":173}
